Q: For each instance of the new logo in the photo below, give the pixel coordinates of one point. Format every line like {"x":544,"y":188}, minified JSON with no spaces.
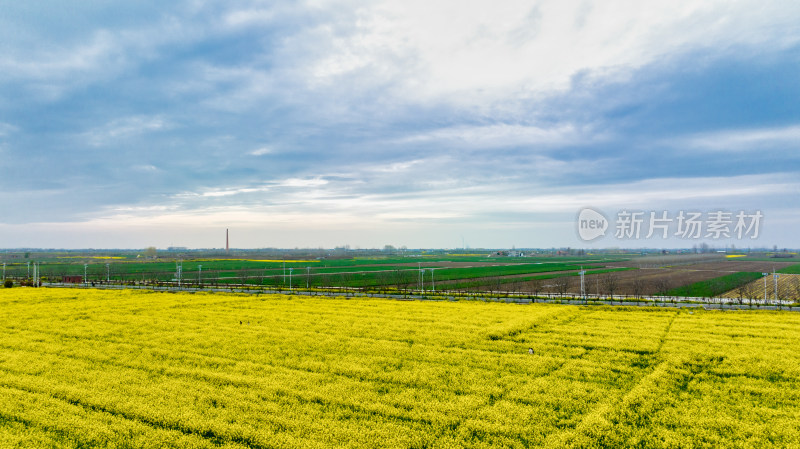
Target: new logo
{"x":591,"y":224}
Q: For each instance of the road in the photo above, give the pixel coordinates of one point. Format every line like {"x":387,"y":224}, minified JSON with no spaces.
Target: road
{"x":645,"y":301}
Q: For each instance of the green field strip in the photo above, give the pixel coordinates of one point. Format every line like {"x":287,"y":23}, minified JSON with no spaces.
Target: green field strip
{"x":791,"y":269}
{"x":274,"y":271}
{"x":780,"y":260}
{"x":715,"y":286}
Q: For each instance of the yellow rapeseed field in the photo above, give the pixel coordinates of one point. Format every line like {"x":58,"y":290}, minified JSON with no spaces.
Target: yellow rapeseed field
{"x":83,"y":368}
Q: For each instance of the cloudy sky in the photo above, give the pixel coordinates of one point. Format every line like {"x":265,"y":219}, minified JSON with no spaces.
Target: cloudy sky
{"x":418,"y":123}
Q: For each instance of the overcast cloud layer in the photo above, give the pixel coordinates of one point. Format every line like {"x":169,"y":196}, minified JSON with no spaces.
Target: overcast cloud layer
{"x":418,"y":123}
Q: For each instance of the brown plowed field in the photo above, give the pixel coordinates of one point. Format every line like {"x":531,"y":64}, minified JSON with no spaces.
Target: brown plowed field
{"x":651,"y":277}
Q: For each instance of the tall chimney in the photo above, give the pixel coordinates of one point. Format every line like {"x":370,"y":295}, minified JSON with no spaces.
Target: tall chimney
{"x":227,"y":248}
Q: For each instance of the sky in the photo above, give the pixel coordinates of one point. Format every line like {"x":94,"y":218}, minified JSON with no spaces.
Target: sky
{"x":443,"y":124}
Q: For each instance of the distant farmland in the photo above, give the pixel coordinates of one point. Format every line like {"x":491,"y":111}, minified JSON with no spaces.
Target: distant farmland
{"x":398,"y":273}
{"x":706,"y":275}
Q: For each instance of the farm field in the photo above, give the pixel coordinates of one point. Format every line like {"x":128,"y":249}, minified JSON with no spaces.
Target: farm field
{"x":372,"y":272}
{"x":716,"y":286}
{"x":93,"y":368}
{"x":788,"y":288}
{"x":630,"y":275}
{"x":671,"y":278}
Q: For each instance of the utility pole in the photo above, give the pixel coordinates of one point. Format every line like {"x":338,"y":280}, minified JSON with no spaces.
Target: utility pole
{"x":108,"y":272}
{"x":4,"y":272}
{"x":29,"y":269}
{"x":775,"y":279}
{"x":284,"y":272}
{"x":583,"y":286}
{"x":308,"y":275}
{"x":199,"y":273}
{"x":433,"y":283}
{"x":85,"y":279}
{"x":290,"y":278}
{"x":765,"y":287}
{"x":421,"y":283}
{"x":178,"y":270}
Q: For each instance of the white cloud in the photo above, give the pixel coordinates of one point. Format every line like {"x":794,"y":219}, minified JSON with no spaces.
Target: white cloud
{"x":231,"y":192}
{"x":125,"y":128}
{"x":326,"y":210}
{"x":60,"y":62}
{"x":302,"y":182}
{"x":146,"y":168}
{"x":461,"y":51}
{"x":249,"y":85}
{"x":290,"y":183}
{"x":396,"y":167}
{"x":249,"y":17}
{"x":504,"y":135}
{"x":52,"y":65}
{"x":754,"y":139}
{"x":6,"y":129}
{"x":261,"y":151}
{"x":141,"y":209}
{"x":337,"y":204}
{"x":473,"y":72}
{"x":469,"y":52}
